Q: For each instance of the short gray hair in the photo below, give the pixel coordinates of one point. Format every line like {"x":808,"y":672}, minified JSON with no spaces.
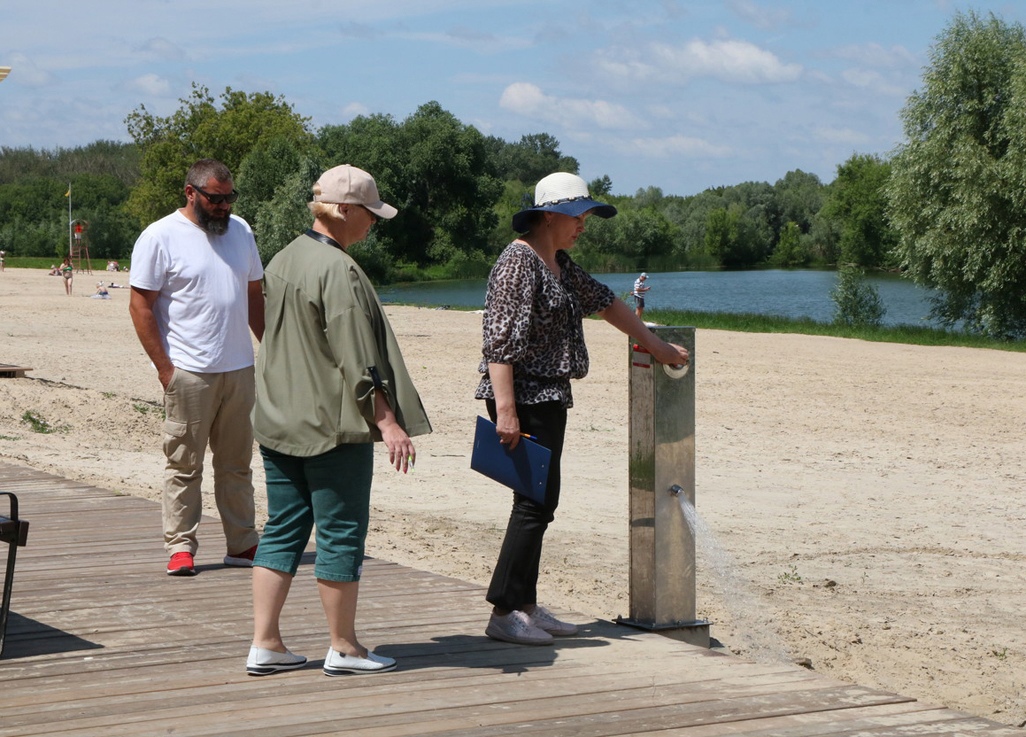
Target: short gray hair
{"x":206,"y":169}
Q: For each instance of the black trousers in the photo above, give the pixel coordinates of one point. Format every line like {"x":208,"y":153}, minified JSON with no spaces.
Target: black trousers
{"x":514,"y":582}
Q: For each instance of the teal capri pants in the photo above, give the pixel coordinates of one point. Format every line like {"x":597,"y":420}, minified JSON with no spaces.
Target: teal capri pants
{"x":330,"y":491}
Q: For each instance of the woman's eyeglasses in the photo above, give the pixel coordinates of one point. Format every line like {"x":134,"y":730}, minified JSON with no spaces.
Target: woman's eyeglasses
{"x":217,"y":199}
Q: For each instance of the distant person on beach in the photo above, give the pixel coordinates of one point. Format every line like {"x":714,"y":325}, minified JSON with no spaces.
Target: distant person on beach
{"x":54,"y":271}
{"x":68,"y":272}
{"x":2,"y":254}
{"x":326,"y":325}
{"x":533,"y":346}
{"x":640,"y":288}
{"x":195,"y":297}
{"x":101,"y":291}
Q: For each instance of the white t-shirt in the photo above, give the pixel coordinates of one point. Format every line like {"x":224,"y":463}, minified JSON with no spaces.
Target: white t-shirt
{"x":202,"y":310}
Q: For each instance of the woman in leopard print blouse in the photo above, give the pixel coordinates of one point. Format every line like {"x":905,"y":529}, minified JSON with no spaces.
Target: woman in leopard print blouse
{"x":533,"y":346}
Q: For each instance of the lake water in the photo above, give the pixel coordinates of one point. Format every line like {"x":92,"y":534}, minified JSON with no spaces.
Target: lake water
{"x":788,"y":293}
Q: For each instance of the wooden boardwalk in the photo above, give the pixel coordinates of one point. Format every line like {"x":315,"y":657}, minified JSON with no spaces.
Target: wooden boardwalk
{"x":101,"y":642}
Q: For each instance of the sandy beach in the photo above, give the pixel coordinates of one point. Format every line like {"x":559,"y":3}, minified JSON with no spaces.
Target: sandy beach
{"x":864,"y":501}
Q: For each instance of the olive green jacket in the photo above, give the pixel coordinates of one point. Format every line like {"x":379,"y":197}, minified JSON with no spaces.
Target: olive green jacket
{"x":327,"y":345}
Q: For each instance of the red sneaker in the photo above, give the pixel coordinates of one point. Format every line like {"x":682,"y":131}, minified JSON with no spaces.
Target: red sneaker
{"x":181,"y":564}
{"x":242,"y":560}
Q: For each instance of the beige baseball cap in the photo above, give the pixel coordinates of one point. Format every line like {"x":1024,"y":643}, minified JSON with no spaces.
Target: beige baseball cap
{"x":347,"y":184}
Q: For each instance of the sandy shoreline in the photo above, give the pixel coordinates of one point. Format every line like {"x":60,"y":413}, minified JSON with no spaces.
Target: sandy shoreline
{"x":865,"y":501}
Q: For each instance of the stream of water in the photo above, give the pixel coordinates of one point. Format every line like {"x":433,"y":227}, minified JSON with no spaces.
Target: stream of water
{"x":755,"y":635}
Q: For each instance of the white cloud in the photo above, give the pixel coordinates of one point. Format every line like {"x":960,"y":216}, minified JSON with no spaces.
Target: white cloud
{"x":150,"y":84}
{"x":875,"y":55}
{"x":731,"y":61}
{"x":528,"y":100}
{"x":758,"y":16}
{"x":355,"y":110}
{"x":727,"y":60}
{"x":868,"y":79}
{"x":845,"y":136}
{"x":161,"y":48}
{"x":25,"y":72}
{"x":677,"y":146}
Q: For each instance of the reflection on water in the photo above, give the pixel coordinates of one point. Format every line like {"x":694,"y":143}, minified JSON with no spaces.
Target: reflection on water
{"x":794,"y":294}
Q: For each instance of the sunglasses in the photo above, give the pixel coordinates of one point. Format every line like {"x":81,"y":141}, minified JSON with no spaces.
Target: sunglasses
{"x":217,"y":199}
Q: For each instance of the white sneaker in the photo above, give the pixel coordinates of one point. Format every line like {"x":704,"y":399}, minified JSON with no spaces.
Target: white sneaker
{"x":543,"y":619}
{"x":516,"y":627}
{"x":264,"y":662}
{"x":336,"y":664}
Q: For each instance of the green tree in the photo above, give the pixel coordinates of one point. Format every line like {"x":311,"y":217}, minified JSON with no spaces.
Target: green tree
{"x":201,"y":129}
{"x":534,"y":156}
{"x":438,"y":173}
{"x":857,"y":203}
{"x":823,"y":241}
{"x":284,"y":214}
{"x":690,"y":217}
{"x":370,"y":142}
{"x":635,"y":239}
{"x":723,"y":233}
{"x":958,"y":186}
{"x":514,"y":197}
{"x":857,"y":302}
{"x":797,"y":197}
{"x":600,"y":186}
{"x":101,"y":158}
{"x":790,"y":251}
{"x":34,"y":215}
{"x":737,"y":238}
{"x":264,"y":180}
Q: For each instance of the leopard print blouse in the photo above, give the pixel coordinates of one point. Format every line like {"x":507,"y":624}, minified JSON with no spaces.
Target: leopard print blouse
{"x":534,"y":321}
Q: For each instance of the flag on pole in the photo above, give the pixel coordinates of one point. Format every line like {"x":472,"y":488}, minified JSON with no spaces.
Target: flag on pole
{"x":68,"y":193}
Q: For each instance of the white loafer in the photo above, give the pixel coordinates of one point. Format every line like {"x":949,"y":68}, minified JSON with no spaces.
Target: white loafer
{"x":337,"y":664}
{"x":264,"y":662}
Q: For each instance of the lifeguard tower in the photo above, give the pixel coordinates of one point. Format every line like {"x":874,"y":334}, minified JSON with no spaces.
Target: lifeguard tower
{"x":80,"y":246}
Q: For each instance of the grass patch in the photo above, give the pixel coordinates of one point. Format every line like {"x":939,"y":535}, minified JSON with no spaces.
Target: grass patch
{"x":755,"y":323}
{"x":146,"y":409}
{"x":37,"y":262}
{"x":752,"y":323}
{"x":39,"y":424}
{"x":789,"y":577}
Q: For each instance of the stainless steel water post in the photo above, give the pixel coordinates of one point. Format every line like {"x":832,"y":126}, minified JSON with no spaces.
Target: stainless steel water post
{"x":662,"y":467}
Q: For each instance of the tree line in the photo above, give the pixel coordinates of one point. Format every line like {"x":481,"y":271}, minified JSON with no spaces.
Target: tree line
{"x":456,"y":190}
{"x":946,"y":208}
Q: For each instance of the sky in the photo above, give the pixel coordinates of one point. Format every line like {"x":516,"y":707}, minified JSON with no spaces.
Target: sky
{"x":682,"y":95}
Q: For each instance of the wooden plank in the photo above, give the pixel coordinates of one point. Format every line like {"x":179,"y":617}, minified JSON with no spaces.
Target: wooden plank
{"x":9,"y":371}
{"x":116,"y":647}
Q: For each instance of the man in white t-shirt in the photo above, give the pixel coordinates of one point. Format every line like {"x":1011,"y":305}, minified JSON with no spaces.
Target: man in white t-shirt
{"x":196,"y":293}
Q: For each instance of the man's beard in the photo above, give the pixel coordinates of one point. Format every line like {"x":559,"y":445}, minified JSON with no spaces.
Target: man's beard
{"x":213,"y":225}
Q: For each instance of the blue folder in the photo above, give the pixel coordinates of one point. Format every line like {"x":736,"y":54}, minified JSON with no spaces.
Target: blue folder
{"x":525,"y":469}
